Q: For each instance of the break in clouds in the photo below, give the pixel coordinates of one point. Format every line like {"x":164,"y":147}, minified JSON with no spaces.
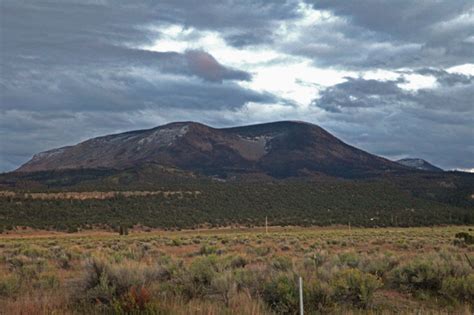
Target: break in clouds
{"x":395,"y":78}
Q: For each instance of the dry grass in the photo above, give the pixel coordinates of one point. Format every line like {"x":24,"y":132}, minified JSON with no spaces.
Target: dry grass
{"x":236,"y":271}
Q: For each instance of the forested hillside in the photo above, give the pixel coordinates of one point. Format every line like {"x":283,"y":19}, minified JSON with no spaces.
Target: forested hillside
{"x":323,"y":201}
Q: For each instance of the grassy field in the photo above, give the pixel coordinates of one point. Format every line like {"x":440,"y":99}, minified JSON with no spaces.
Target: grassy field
{"x":239,"y":271}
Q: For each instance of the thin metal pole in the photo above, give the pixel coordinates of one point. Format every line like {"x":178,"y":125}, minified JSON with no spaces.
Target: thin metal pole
{"x":301,"y":296}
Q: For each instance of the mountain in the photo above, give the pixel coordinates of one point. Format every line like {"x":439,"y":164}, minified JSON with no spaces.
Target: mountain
{"x":419,"y":164}
{"x":186,"y":175}
{"x":278,"y":149}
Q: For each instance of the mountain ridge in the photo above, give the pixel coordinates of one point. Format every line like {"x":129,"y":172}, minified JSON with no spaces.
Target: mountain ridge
{"x":279,"y":149}
{"x":291,"y":172}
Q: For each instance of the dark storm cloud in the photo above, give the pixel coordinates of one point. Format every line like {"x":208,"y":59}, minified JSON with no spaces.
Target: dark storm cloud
{"x":74,"y":69}
{"x":392,"y":34}
{"x":403,"y":19}
{"x":435,"y":124}
{"x":453,"y":92}
{"x":70,"y":70}
{"x":68,"y":21}
{"x":447,"y":78}
{"x":115,"y":91}
{"x":358,"y":93}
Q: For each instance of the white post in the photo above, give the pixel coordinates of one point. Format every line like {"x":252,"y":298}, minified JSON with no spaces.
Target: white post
{"x":266,"y":225}
{"x":301,"y":296}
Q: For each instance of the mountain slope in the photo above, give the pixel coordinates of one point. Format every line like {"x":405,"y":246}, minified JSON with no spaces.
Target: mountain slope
{"x":419,"y":164}
{"x":279,"y":149}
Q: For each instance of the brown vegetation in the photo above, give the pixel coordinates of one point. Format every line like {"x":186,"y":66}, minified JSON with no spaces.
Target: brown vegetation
{"x":240,"y":271}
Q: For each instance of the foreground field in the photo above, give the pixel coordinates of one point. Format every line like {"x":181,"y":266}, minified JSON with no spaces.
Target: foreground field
{"x":248,"y":271}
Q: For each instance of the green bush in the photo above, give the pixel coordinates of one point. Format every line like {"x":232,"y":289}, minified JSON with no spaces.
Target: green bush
{"x":355,"y":287}
{"x":238,"y":262}
{"x":48,"y":282}
{"x":202,"y":269}
{"x":320,"y":258}
{"x":281,"y":263}
{"x":109,"y":283}
{"x":349,"y":259}
{"x":318,"y":295}
{"x":379,"y":265}
{"x":461,"y":288}
{"x":419,"y":274}
{"x":281,"y":294}
{"x":197,"y":282}
{"x":64,"y":261}
{"x":104,"y":291}
{"x":207,"y":250}
{"x":427,"y":273}
{"x":466,"y":237}
{"x":250,"y":280}
{"x":9,"y":286}
{"x":223,"y":285}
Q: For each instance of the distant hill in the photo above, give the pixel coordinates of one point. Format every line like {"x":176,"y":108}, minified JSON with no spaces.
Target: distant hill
{"x":184,"y":175}
{"x":167,"y":198}
{"x":419,"y":164}
{"x":279,"y":149}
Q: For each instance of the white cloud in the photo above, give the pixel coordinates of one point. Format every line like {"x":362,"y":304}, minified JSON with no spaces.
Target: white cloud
{"x":468,"y":170}
{"x":466,"y":69}
{"x":415,"y":82}
{"x":291,"y":77}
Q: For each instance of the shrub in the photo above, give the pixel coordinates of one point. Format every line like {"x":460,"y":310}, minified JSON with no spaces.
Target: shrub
{"x":251,"y":280}
{"x":318,"y":295}
{"x":320,"y":258}
{"x":238,"y":262}
{"x":466,"y":237}
{"x":281,"y":263}
{"x":108,"y":283}
{"x":379,"y":265}
{"x":9,"y":286}
{"x":48,"y":282}
{"x":418,"y":275}
{"x":315,"y":260}
{"x":103,"y":291}
{"x":33,"y":251}
{"x":262,"y":251}
{"x":349,"y":259}
{"x":175,"y":242}
{"x":285,"y":248}
{"x":197,"y":282}
{"x":281,"y":294}
{"x":203,"y":269}
{"x":64,"y":261}
{"x":427,"y":273}
{"x":166,"y":269}
{"x":207,"y":250}
{"x":223,"y":285}
{"x":355,"y":286}
{"x":137,"y":300}
{"x":461,"y":288}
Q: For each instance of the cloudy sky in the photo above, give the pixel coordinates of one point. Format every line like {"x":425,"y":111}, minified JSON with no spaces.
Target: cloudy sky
{"x":395,"y":78}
